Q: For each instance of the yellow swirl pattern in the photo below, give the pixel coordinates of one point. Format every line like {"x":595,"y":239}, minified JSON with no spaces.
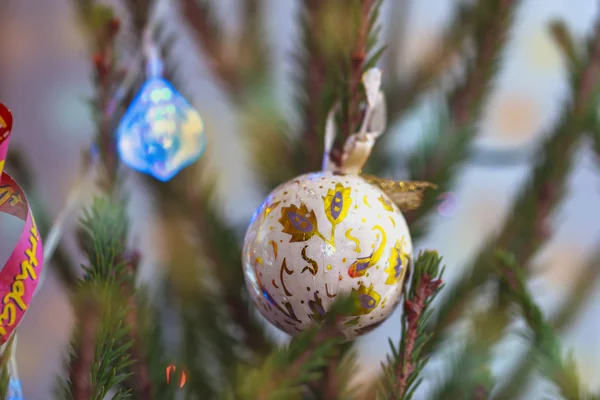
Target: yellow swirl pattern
{"x":272,"y":243}
{"x":354,"y":240}
{"x":366,"y":201}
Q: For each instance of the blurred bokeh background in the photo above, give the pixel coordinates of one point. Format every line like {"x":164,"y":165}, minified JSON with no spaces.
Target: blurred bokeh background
{"x":45,"y":79}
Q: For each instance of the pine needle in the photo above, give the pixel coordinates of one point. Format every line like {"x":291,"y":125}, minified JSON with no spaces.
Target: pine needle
{"x":561,"y":370}
{"x":285,"y":372}
{"x":442,"y":158}
{"x":522,"y":233}
{"x":407,"y":361}
{"x":101,"y":349}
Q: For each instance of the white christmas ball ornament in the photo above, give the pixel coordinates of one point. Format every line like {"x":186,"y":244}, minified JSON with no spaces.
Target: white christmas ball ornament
{"x":320,"y":235}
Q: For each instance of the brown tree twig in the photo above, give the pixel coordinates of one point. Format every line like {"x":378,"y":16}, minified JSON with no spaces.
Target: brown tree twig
{"x":211,"y":38}
{"x":554,"y":168}
{"x":467,"y":100}
{"x":80,"y":369}
{"x":106,"y":79}
{"x":313,"y":82}
{"x":357,"y":66}
{"x":403,"y":95}
{"x":468,"y":96}
{"x":521,"y":374}
{"x":141,"y":380}
{"x":413,"y":311}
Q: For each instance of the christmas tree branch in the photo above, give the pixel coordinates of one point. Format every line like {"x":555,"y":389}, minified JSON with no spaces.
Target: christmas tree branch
{"x":520,"y":375}
{"x":521,"y":232}
{"x":100,"y":359}
{"x":286,"y":371}
{"x":211,"y":38}
{"x":490,"y":34}
{"x":80,"y":368}
{"x":339,"y":39}
{"x":563,"y":372}
{"x":466,"y":103}
{"x":102,"y":29}
{"x":212,"y":294}
{"x":402,"y":96}
{"x":141,"y":382}
{"x":407,"y":361}
{"x":315,"y":97}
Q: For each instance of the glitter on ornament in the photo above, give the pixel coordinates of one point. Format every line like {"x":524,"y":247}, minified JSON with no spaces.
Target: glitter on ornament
{"x":161,"y":133}
{"x":14,"y":390}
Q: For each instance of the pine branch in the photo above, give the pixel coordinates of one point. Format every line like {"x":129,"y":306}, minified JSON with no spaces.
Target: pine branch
{"x":339,"y":40}
{"x":466,"y":103}
{"x":220,"y":245}
{"x":286,"y":371}
{"x":211,"y":39}
{"x":402,"y":96}
{"x":151,"y":342}
{"x":141,"y":382}
{"x":562,"y":371}
{"x":139,"y":12}
{"x":522,"y":232}
{"x":521,"y":374}
{"x":471,"y":376}
{"x":103,"y":28}
{"x":404,"y":367}
{"x":100,"y":356}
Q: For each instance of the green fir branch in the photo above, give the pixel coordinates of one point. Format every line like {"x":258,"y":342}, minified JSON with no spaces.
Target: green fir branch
{"x":286,"y":371}
{"x":407,"y":361}
{"x":402,"y":96}
{"x":562,"y":371}
{"x":524,"y":231}
{"x":522,"y":372}
{"x":207,"y":349}
{"x":339,"y":45}
{"x":151,"y":342}
{"x":466,"y":103}
{"x":212,"y":42}
{"x":100,"y":358}
{"x":470,"y":376}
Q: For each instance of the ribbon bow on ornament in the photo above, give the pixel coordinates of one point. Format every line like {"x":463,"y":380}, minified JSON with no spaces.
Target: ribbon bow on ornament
{"x":407,"y":195}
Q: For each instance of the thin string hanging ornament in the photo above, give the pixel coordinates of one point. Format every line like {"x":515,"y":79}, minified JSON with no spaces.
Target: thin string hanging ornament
{"x":161,"y":133}
{"x":331,"y":232}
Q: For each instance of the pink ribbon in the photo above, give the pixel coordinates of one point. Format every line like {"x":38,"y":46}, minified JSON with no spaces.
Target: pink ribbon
{"x":20,"y":275}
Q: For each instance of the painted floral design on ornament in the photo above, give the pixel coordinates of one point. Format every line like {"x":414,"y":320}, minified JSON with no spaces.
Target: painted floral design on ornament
{"x":398,"y":263}
{"x":337,"y":203}
{"x":289,"y":310}
{"x":360,"y":266}
{"x":300,"y":223}
{"x":366,"y":300}
{"x":317,"y":309}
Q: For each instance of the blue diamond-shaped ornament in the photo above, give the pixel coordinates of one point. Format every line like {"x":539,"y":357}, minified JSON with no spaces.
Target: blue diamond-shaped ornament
{"x":161,"y":133}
